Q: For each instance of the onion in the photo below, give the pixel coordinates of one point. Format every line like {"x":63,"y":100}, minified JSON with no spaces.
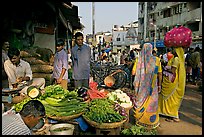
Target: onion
{"x":117,"y":108}
{"x":123,"y":114}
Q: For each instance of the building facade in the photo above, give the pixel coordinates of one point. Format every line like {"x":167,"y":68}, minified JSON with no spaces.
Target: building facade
{"x":124,"y":36}
{"x":156,"y":18}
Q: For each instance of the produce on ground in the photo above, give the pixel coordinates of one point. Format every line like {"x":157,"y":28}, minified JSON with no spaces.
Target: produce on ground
{"x":138,"y":130}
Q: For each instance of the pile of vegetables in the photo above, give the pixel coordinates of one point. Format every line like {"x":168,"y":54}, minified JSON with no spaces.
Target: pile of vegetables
{"x":94,"y":93}
{"x":120,"y":109}
{"x":19,"y":106}
{"x":138,"y":130}
{"x":120,"y":97}
{"x":60,"y":102}
{"x":57,"y":92}
{"x":82,"y":92}
{"x":102,"y":111}
{"x":57,"y":101}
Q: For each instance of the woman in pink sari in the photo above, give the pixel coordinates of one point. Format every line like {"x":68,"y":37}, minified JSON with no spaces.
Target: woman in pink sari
{"x":147,"y":84}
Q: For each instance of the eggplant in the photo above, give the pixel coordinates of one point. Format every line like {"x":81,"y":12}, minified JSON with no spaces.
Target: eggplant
{"x":83,"y":94}
{"x":117,"y":108}
{"x":86,"y":98}
{"x":123,"y":114}
{"x":81,"y":90}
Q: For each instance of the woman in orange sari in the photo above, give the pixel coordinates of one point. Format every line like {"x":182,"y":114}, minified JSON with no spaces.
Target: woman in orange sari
{"x":147,"y":86}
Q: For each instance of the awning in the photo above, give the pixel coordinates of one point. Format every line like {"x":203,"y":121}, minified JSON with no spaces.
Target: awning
{"x":159,"y":44}
{"x":72,"y":16}
{"x":107,"y":50}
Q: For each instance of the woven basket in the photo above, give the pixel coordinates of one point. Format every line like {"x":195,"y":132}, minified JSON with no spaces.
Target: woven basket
{"x":65,"y":118}
{"x":109,"y":81}
{"x":104,"y":125}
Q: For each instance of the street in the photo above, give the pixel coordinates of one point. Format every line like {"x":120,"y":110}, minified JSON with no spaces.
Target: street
{"x":190,"y":115}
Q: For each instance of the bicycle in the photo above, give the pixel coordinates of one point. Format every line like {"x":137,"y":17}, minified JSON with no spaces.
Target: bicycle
{"x":100,"y":71}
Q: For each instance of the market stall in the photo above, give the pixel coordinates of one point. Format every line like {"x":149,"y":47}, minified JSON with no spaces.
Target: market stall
{"x":107,"y":111}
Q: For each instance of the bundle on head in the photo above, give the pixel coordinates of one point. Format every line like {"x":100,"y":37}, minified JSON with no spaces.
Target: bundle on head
{"x":178,"y":37}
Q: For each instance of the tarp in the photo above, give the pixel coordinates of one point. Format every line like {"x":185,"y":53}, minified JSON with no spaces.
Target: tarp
{"x":107,"y":50}
{"x":159,"y":44}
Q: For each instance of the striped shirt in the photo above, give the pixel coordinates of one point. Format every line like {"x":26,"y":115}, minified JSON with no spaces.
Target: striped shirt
{"x":13,"y":124}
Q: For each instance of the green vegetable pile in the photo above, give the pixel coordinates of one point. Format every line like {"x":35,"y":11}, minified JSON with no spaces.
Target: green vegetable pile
{"x":19,"y":106}
{"x":60,"y":102}
{"x":57,"y":92}
{"x":138,"y":130}
{"x":102,"y":111}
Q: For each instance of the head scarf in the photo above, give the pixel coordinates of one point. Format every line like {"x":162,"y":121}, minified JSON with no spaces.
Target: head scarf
{"x":144,"y":73}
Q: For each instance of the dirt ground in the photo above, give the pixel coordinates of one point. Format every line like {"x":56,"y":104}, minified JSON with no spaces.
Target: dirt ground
{"x":190,"y":115}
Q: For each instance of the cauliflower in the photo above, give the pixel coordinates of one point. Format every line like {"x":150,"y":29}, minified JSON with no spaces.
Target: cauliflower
{"x":125,"y":105}
{"x":118,"y":91}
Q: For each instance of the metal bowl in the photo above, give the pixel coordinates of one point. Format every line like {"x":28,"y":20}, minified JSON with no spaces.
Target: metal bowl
{"x":57,"y":129}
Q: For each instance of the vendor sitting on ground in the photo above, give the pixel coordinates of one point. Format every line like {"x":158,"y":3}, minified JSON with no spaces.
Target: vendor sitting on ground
{"x":22,"y":123}
{"x":19,"y":71}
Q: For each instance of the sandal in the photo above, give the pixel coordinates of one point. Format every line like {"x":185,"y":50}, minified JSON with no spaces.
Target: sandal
{"x":169,"y":120}
{"x":176,"y":119}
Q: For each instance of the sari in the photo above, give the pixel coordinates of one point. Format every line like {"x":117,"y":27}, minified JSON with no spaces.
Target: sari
{"x":172,"y":93}
{"x":146,"y":89}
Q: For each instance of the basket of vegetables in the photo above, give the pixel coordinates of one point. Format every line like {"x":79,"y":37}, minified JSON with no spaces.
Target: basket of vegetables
{"x":62,"y":105}
{"x":65,"y":118}
{"x":104,"y":125}
{"x":101,"y":114}
{"x":120,"y":97}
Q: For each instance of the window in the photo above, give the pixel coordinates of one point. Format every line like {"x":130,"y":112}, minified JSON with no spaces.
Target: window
{"x":167,"y":13}
{"x":185,"y":5}
{"x":117,"y":39}
{"x":158,"y":14}
{"x":194,"y":26}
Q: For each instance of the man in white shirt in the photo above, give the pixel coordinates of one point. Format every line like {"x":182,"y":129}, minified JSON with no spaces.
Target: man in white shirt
{"x":19,"y":70}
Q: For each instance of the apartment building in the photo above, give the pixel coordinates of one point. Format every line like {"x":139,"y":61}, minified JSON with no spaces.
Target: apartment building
{"x":124,"y":36}
{"x":156,"y":18}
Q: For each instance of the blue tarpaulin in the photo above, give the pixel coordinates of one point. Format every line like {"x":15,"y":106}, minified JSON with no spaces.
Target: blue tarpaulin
{"x":159,"y":44}
{"x":107,"y":50}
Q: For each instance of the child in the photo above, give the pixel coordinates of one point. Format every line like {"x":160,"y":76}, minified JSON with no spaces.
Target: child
{"x":60,"y":71}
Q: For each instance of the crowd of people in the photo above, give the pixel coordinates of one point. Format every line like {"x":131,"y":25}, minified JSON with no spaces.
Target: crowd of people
{"x":158,"y":81}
